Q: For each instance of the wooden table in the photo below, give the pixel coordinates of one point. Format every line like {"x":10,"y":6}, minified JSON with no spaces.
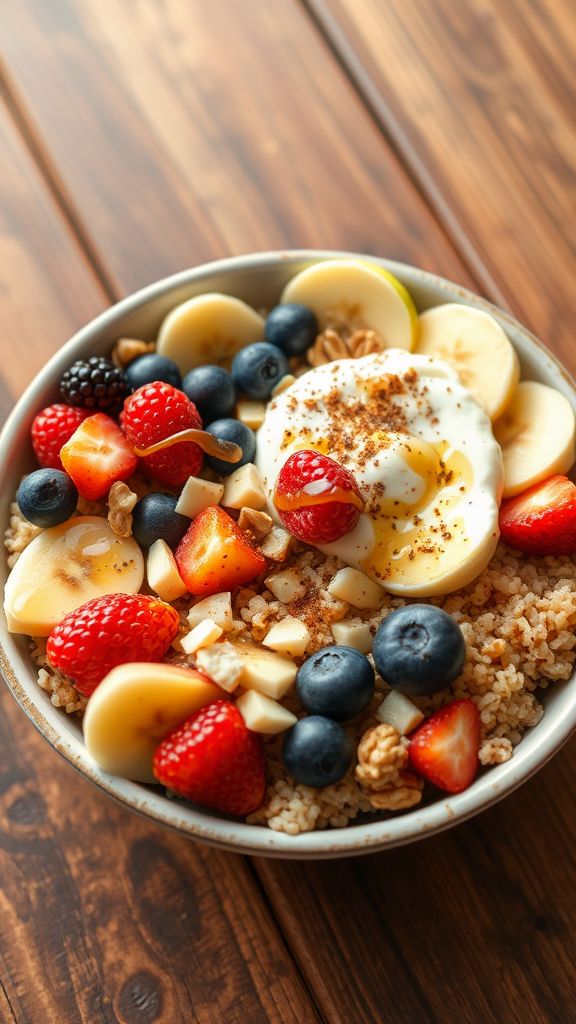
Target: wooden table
{"x":143,"y":136}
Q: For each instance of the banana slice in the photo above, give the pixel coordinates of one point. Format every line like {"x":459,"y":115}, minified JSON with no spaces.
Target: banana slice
{"x":351,"y":294}
{"x":208,"y":329}
{"x":537,"y":436}
{"x":65,"y":566}
{"x":474,"y":344}
{"x":132,"y":710}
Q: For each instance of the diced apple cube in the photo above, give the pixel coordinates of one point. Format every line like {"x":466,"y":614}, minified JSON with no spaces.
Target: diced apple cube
{"x":203,"y":635}
{"x":290,"y":636}
{"x":222,"y":664}
{"x":270,"y":673}
{"x":258,"y":523}
{"x":276,"y":544}
{"x":197,"y":495}
{"x":217,"y":607}
{"x":244,"y":487}
{"x":353,"y":633}
{"x":262,"y":714}
{"x":162,"y":572}
{"x":355,"y":588}
{"x":286,"y":586}
{"x":251,"y":413}
{"x":398,"y":710}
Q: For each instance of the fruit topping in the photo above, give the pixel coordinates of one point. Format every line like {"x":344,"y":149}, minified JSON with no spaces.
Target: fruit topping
{"x":150,"y":367}
{"x":51,"y":428}
{"x":108,"y":631}
{"x":398,"y":710}
{"x":262,"y":714}
{"x":155,"y":517}
{"x":213,"y":759}
{"x":47,"y":497}
{"x":317,"y":500}
{"x":419,"y":649}
{"x":317,"y":751}
{"x":542,"y":520}
{"x":97,"y":455}
{"x":94,"y":383}
{"x":162,"y":572}
{"x":237,"y":433}
{"x":214,"y":554}
{"x":208,"y":328}
{"x":337,"y":682}
{"x":444,"y":749}
{"x":258,"y":368}
{"x":156,"y":412}
{"x":198,"y":494}
{"x":536,"y":433}
{"x":212,"y":390}
{"x":292,"y":327}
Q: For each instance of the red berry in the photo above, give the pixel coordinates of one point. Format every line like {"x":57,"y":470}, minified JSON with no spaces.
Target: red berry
{"x":215,"y":554}
{"x":317,"y":499}
{"x":445,"y":748}
{"x":109,"y":631}
{"x":542,"y":520}
{"x":214,"y":759}
{"x":97,"y":455}
{"x":155,"y":412}
{"x":51,"y":428}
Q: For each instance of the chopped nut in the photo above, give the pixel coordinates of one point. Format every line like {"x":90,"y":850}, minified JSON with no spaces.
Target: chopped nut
{"x":203,"y":635}
{"x":258,"y":523}
{"x":334,"y":344}
{"x":121,"y":501}
{"x":286,"y":585}
{"x":405,"y":792}
{"x":127,"y":349}
{"x":382,"y":754}
{"x":244,"y":488}
{"x":276,"y":544}
{"x":221,"y":663}
{"x":282,"y":384}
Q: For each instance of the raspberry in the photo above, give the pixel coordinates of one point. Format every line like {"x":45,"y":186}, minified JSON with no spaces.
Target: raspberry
{"x":109,"y":631}
{"x":50,"y":430}
{"x":155,"y":412}
{"x":317,"y":500}
{"x":214,"y":759}
{"x":94,"y":383}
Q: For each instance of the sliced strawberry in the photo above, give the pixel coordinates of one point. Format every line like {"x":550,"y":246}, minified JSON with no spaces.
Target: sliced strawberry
{"x":215,"y":554}
{"x":445,"y":748}
{"x":542,"y":520}
{"x":97,"y":455}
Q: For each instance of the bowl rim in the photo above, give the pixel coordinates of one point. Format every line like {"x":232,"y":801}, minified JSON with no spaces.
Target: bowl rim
{"x":238,"y":836}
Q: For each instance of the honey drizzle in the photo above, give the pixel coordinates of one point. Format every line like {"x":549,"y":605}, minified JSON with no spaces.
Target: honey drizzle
{"x":210,"y":445}
{"x":299,"y":499}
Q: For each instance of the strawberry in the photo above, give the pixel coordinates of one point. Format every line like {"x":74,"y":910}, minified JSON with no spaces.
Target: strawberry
{"x":109,"y":631}
{"x":215,"y":554}
{"x":155,"y":412}
{"x":542,"y":520}
{"x":445,"y":748}
{"x":51,"y":428}
{"x":214,"y":759}
{"x":97,"y":455}
{"x":316,"y":499}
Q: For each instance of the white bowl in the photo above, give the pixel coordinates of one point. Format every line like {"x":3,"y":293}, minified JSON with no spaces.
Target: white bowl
{"x":258,"y":279}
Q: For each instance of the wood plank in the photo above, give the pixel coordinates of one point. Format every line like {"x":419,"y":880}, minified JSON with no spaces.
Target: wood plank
{"x":479,"y":98}
{"x":104,"y":917}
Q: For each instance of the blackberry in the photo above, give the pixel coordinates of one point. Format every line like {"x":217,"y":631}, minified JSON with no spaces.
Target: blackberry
{"x":94,"y":383}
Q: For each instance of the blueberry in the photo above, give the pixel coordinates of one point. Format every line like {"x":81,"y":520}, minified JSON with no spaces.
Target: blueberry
{"x":292,"y":328}
{"x":337,"y":682}
{"x":47,"y":497}
{"x":317,"y":751}
{"x":155,"y":517}
{"x":419,"y":649}
{"x":232,"y":430}
{"x":258,"y":368}
{"x":148,"y":368}
{"x":212,"y":391}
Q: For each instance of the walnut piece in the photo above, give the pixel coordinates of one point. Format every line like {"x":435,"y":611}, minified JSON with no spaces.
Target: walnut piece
{"x":405,"y":792}
{"x":495,"y":750}
{"x":257,"y":522}
{"x":127,"y":349}
{"x":121,"y":501}
{"x":382,"y":754}
{"x":343,"y":344}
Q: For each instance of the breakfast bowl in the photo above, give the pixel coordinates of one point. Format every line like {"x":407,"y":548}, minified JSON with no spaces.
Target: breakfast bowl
{"x":258,"y":280}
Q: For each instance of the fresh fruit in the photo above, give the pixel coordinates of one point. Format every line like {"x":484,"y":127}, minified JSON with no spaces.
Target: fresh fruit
{"x":317,"y":751}
{"x":212,"y":390}
{"x":317,"y":500}
{"x":398,"y":710}
{"x":445,"y":748}
{"x":355,"y":588}
{"x":238,"y":433}
{"x":292,"y":327}
{"x":265,"y":671}
{"x":152,"y":414}
{"x":162,"y":572}
{"x":213,"y":759}
{"x":474,"y":344}
{"x":151,"y":367}
{"x":94,"y":383}
{"x":337,"y":682}
{"x":51,"y":428}
{"x":356,"y":296}
{"x":97,"y":455}
{"x":108,"y":631}
{"x":198,"y":494}
{"x":244,"y":488}
{"x":208,"y":328}
{"x":419,"y":649}
{"x":214,"y":554}
{"x":47,"y":497}
{"x":205,"y":634}
{"x":262,"y":714}
{"x":289,"y":636}
{"x":134,"y":707}
{"x":536,"y":433}
{"x":542,"y":520}
{"x":258,"y":368}
{"x":217,"y":607}
{"x":65,"y":566}
{"x":155,"y":516}
{"x":352,"y":633}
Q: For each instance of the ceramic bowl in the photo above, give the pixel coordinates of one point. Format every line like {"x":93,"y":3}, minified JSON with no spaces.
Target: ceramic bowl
{"x":258,"y":279}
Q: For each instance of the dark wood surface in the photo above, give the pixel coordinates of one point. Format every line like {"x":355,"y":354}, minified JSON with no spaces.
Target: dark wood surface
{"x":137,"y":138}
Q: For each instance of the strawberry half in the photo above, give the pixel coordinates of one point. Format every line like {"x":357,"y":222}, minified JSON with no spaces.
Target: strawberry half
{"x":542,"y":520}
{"x":97,"y":455}
{"x":444,"y":749}
{"x":215,"y":554}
